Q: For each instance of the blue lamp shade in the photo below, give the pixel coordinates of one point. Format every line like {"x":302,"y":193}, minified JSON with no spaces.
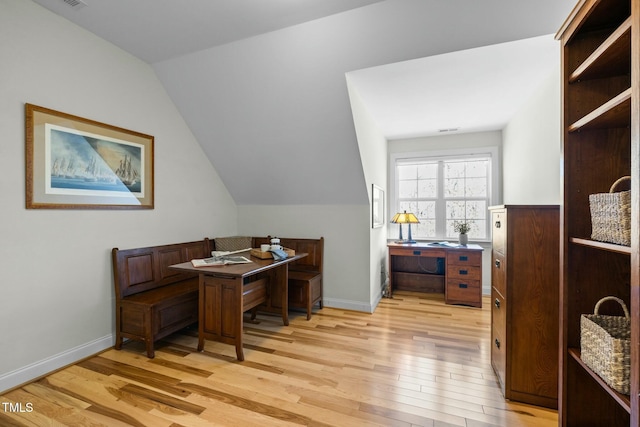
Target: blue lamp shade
{"x":405,"y":218}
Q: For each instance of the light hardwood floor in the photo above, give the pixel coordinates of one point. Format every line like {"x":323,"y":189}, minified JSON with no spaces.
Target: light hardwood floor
{"x":414,"y":362}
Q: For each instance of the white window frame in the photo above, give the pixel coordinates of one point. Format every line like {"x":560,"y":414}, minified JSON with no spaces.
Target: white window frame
{"x":437,"y":155}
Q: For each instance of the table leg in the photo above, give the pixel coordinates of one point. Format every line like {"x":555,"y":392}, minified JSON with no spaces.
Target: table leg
{"x":201,"y":312}
{"x":284,"y":277}
{"x":222,"y":304}
{"x":220,"y":311}
{"x":238,"y":312}
{"x":239,"y":352}
{"x":390,"y":270}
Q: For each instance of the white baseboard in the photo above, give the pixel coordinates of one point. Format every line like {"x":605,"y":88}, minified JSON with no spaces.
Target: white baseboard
{"x":348,"y":304}
{"x":35,"y":370}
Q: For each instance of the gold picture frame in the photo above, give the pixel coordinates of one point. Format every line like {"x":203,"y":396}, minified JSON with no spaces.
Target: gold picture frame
{"x":78,"y":163}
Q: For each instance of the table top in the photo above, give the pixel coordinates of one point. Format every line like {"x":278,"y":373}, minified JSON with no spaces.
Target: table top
{"x":436,"y":245}
{"x":238,"y":270}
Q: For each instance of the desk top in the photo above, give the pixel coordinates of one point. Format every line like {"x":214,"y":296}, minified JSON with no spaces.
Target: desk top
{"x":436,"y":245}
{"x":238,"y":270}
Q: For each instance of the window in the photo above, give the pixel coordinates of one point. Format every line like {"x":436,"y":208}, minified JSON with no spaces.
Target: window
{"x":443,"y":190}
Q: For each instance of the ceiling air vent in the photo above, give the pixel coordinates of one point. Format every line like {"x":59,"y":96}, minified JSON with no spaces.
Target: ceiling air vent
{"x":75,"y":4}
{"x":448,"y":130}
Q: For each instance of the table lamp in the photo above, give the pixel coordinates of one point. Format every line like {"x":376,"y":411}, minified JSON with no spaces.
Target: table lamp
{"x":405,"y":218}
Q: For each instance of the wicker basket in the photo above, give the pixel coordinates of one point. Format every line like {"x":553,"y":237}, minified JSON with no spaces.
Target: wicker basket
{"x":611,"y":215}
{"x":605,"y":345}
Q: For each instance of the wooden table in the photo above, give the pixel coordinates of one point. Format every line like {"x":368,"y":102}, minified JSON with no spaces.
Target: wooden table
{"x":454,"y":270}
{"x":227,"y":292}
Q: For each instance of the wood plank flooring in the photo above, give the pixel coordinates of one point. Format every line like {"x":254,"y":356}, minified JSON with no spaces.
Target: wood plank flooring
{"x":414,"y":362}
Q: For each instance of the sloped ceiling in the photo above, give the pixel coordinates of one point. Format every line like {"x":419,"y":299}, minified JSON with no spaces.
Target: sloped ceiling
{"x":472,"y":90}
{"x":262,"y":83}
{"x":155,"y":30}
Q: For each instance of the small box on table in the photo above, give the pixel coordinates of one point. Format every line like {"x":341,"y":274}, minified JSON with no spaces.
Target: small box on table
{"x":256,"y":252}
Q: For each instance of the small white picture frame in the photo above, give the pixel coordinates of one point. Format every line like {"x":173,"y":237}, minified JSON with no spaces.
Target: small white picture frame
{"x":377,"y":206}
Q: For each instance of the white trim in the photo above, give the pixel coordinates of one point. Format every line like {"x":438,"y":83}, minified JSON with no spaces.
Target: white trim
{"x":347,"y":304}
{"x":35,"y":370}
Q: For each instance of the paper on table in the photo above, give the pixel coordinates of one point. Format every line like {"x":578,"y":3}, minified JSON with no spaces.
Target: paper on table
{"x":219,"y":261}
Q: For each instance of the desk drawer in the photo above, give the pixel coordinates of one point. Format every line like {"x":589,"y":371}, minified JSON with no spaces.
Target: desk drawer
{"x":464,"y":258}
{"x":464,"y":272}
{"x":424,"y":252}
{"x":464,"y":292}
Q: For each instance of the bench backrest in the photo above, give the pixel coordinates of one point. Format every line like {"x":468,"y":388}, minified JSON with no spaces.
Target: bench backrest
{"x":314,"y":247}
{"x":142,"y":269}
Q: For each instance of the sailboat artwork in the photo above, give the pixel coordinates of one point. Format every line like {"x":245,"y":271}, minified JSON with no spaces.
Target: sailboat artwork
{"x":127,"y":174}
{"x":77,"y":163}
{"x":83,"y":163}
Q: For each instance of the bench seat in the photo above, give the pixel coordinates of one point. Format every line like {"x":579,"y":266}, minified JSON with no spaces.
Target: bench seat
{"x":158,"y":295}
{"x":305,"y":275}
{"x":305,"y":290}
{"x":152,"y":300}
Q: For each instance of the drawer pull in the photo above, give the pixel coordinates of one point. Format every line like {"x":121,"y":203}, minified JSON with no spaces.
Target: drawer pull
{"x":497,"y":224}
{"x":463,"y":272}
{"x":463,"y":285}
{"x":497,"y":342}
{"x":497,"y":263}
{"x":416,"y":253}
{"x":497,"y":303}
{"x":463,"y":258}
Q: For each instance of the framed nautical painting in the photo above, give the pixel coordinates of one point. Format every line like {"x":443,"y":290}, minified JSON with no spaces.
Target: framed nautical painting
{"x":77,"y":163}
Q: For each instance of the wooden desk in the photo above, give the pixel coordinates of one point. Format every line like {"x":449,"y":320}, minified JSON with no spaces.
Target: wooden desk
{"x":455,"y":271}
{"x":226,"y":292}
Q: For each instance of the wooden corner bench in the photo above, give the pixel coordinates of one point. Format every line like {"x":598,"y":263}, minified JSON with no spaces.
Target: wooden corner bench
{"x":305,"y":275}
{"x":153,"y":301}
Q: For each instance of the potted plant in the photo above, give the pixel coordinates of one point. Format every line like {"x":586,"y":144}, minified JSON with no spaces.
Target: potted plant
{"x":462,"y":228}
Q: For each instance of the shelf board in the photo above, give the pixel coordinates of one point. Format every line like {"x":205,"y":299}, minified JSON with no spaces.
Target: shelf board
{"x":601,"y":245}
{"x":612,"y":57}
{"x":622,"y":399}
{"x":614,"y":113}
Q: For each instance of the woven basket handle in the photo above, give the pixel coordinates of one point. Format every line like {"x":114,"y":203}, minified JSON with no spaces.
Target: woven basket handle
{"x":624,"y":306}
{"x":618,"y":181}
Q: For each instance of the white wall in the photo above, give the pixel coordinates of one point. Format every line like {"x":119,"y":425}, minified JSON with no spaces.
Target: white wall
{"x":57,"y":300}
{"x":344,"y":228}
{"x":373,"y":154}
{"x":532,"y":151}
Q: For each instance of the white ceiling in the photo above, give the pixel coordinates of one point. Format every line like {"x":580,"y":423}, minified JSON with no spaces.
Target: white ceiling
{"x":453,"y":92}
{"x":156,"y":30}
{"x":471,"y":90}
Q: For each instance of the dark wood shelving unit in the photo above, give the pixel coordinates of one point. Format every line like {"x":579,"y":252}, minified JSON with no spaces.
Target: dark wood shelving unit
{"x":601,"y":245}
{"x":613,"y":56}
{"x":623,"y":400}
{"x":601,"y":114}
{"x":613,"y":113}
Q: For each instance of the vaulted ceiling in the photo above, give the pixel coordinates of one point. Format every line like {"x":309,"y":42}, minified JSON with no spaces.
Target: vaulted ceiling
{"x":261,"y":83}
